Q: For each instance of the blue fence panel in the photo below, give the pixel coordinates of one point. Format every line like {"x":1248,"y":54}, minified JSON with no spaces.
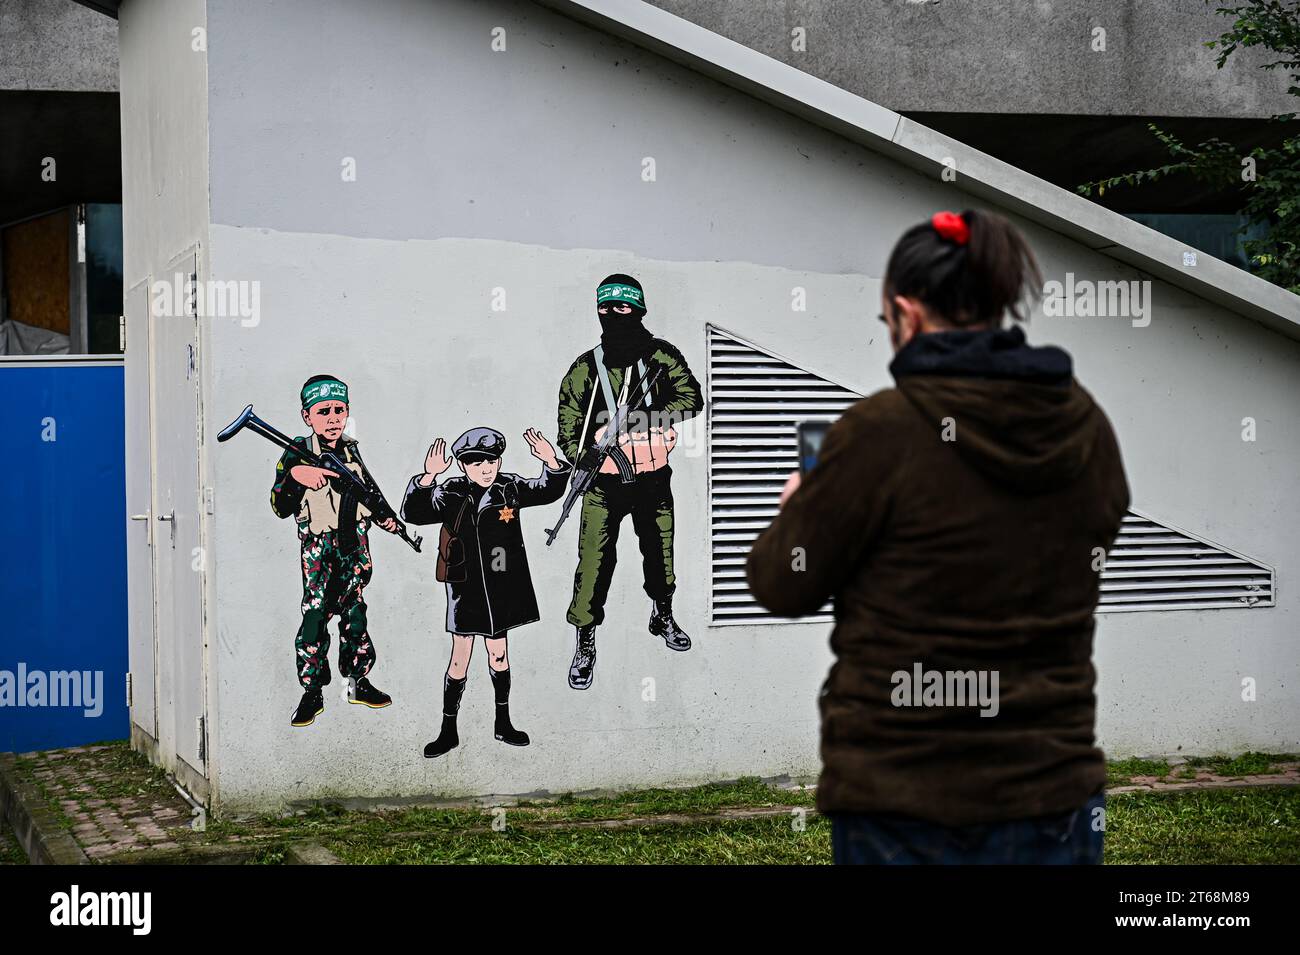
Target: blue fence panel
{"x":63,"y":636}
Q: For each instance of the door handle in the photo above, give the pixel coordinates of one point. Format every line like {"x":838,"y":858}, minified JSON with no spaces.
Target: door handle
{"x":139,"y":517}
{"x":169,"y":516}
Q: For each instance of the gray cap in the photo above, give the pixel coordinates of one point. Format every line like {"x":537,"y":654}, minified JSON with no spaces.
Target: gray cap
{"x":479,"y":444}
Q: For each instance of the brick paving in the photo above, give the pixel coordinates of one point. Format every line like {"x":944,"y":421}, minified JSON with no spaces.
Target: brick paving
{"x":110,"y":801}
{"x":1288,"y":774}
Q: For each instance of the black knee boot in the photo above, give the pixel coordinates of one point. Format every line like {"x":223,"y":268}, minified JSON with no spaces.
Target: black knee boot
{"x":504,"y":730}
{"x":448,"y":739}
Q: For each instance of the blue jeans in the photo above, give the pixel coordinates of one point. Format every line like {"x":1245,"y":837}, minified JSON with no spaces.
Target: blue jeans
{"x":1071,"y":838}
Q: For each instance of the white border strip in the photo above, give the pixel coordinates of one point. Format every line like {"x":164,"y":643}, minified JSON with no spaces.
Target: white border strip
{"x":57,"y":361}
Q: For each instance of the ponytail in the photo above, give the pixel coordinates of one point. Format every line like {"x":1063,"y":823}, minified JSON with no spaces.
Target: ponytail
{"x":970,"y":269}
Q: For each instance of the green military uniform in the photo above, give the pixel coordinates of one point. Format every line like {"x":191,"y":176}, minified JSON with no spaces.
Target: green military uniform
{"x":336,"y":567}
{"x":676,"y":395}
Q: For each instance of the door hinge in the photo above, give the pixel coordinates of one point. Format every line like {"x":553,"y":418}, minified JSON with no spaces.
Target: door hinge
{"x":209,"y":500}
{"x":203,"y":737}
{"x":130,"y":694}
{"x":121,"y":334}
{"x":194,"y":295}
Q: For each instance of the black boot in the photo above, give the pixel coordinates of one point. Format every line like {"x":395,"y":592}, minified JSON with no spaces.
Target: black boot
{"x":310,"y":706}
{"x":452,"y":691}
{"x":583,"y":668}
{"x":663,"y":625}
{"x":363,"y":692}
{"x":503,"y":728}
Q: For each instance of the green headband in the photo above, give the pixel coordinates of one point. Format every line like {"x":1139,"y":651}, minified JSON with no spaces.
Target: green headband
{"x":324,"y":391}
{"x":627,"y":294}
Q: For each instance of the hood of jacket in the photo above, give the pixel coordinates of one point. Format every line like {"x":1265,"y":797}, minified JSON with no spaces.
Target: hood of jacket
{"x":1019,"y":416}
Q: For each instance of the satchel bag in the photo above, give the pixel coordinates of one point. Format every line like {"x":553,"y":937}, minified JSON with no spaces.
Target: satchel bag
{"x":451,"y":551}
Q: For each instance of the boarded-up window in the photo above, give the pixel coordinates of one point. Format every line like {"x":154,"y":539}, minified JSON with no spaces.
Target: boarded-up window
{"x":36,"y":271}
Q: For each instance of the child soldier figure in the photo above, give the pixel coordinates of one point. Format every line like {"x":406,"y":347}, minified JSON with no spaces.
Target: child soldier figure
{"x":481,"y":559}
{"x":336,"y":566}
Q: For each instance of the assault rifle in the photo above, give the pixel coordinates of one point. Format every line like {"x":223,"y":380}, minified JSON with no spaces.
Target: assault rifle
{"x":365,"y":491}
{"x":588,"y":466}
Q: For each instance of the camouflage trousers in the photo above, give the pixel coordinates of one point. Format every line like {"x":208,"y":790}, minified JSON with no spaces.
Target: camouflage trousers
{"x":332,"y":585}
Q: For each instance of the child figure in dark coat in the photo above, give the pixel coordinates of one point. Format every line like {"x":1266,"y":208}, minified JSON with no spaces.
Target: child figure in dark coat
{"x":489,"y":588}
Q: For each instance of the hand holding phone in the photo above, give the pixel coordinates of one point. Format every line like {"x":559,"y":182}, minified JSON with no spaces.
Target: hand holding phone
{"x":811,"y":434}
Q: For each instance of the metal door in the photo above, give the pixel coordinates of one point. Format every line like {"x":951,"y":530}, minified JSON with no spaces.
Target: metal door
{"x":177,"y":551}
{"x":142,"y":649}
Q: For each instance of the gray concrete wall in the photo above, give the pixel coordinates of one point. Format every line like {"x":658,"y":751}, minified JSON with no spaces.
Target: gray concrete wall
{"x":1009,"y":56}
{"x":164,"y":134}
{"x":56,"y":45}
{"x":58,"y":100}
{"x":521,"y":170}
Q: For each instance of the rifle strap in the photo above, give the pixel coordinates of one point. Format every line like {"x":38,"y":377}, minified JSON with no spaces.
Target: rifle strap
{"x":603,"y":374}
{"x":460,"y":516}
{"x":610,"y":404}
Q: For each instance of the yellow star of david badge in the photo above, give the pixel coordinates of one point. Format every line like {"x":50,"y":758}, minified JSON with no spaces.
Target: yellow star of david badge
{"x":507,"y":514}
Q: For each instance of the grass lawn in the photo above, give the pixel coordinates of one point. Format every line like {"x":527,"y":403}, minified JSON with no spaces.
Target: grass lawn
{"x":1216,"y":827}
{"x":739,"y":842}
{"x":1205,"y":827}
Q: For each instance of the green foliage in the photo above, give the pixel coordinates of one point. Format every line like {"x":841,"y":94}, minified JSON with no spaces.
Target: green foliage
{"x":10,"y":852}
{"x":1267,"y":177}
{"x":1272,"y":24}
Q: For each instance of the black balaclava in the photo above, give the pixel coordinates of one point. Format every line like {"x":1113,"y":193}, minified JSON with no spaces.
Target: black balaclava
{"x":623,"y":337}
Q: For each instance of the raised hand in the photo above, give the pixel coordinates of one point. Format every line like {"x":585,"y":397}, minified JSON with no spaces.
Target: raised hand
{"x":541,"y":449}
{"x":436,"y":461}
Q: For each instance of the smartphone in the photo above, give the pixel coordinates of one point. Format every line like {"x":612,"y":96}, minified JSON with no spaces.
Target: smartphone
{"x":811,"y":434}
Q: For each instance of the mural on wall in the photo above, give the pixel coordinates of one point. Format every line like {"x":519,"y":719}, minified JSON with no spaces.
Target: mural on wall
{"x":619,"y":404}
{"x":621,"y":447}
{"x":481,"y":559}
{"x":321,"y":480}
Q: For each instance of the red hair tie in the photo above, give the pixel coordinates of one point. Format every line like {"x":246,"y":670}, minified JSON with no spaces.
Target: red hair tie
{"x":951,"y":226}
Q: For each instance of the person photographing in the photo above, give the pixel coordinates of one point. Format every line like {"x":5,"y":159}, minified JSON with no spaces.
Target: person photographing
{"x":959,"y":522}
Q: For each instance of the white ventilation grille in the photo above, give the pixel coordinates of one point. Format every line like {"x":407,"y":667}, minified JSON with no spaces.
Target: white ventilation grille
{"x":755,"y":401}
{"x":1155,"y":567}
